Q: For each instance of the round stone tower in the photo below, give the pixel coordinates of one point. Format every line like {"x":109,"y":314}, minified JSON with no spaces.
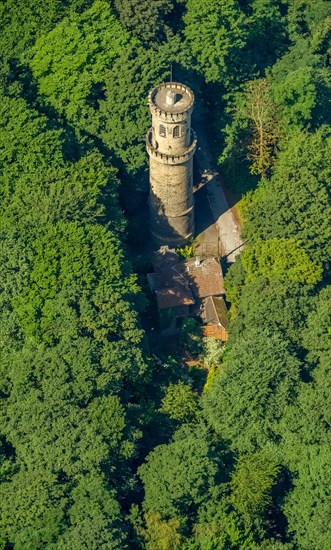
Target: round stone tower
{"x":171,"y":144}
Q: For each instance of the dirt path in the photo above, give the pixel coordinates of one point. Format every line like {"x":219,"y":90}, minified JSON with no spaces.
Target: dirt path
{"x":224,"y":225}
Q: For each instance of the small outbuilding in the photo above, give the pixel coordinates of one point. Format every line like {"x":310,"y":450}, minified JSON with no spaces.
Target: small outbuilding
{"x":215,"y":318}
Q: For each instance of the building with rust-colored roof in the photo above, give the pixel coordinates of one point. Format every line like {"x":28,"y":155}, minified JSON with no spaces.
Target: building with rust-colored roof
{"x":174,"y":297}
{"x":204,"y":277}
{"x":215,"y":318}
{"x":188,"y":287}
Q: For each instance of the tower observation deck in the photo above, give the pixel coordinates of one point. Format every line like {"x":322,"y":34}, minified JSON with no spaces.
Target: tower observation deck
{"x":171,"y":144}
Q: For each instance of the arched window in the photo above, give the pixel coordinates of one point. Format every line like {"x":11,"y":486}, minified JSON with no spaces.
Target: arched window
{"x":162,"y":130}
{"x":176,"y":132}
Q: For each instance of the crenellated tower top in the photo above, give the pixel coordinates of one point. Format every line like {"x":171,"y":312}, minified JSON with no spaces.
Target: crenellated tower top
{"x":171,"y":101}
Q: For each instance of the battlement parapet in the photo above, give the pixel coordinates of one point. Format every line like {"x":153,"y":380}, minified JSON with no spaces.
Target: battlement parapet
{"x":168,"y":158}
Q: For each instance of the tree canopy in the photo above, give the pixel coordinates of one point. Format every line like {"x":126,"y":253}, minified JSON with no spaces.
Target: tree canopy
{"x":111,"y":437}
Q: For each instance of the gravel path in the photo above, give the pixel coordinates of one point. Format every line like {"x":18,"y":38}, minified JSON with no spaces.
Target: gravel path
{"x":228,"y":232}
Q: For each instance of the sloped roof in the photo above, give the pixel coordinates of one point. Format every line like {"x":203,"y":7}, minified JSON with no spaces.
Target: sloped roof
{"x":164,"y":258}
{"x":215,"y":311}
{"x":205,"y":277}
{"x":174,"y":297}
{"x":154,"y":282}
{"x":178,"y":283}
{"x":222,"y":311}
{"x":215,"y":331}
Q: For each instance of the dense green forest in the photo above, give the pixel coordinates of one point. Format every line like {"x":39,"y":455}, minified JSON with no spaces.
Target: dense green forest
{"x":104,"y":445}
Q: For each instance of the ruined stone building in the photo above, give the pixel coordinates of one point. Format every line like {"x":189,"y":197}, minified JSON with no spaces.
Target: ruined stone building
{"x":171,"y":144}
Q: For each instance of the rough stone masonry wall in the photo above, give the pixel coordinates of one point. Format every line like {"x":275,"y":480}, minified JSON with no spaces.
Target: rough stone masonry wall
{"x":171,"y":145}
{"x":171,"y":202}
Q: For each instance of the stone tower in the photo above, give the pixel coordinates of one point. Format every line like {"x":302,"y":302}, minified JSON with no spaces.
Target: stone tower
{"x":171,"y":144}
